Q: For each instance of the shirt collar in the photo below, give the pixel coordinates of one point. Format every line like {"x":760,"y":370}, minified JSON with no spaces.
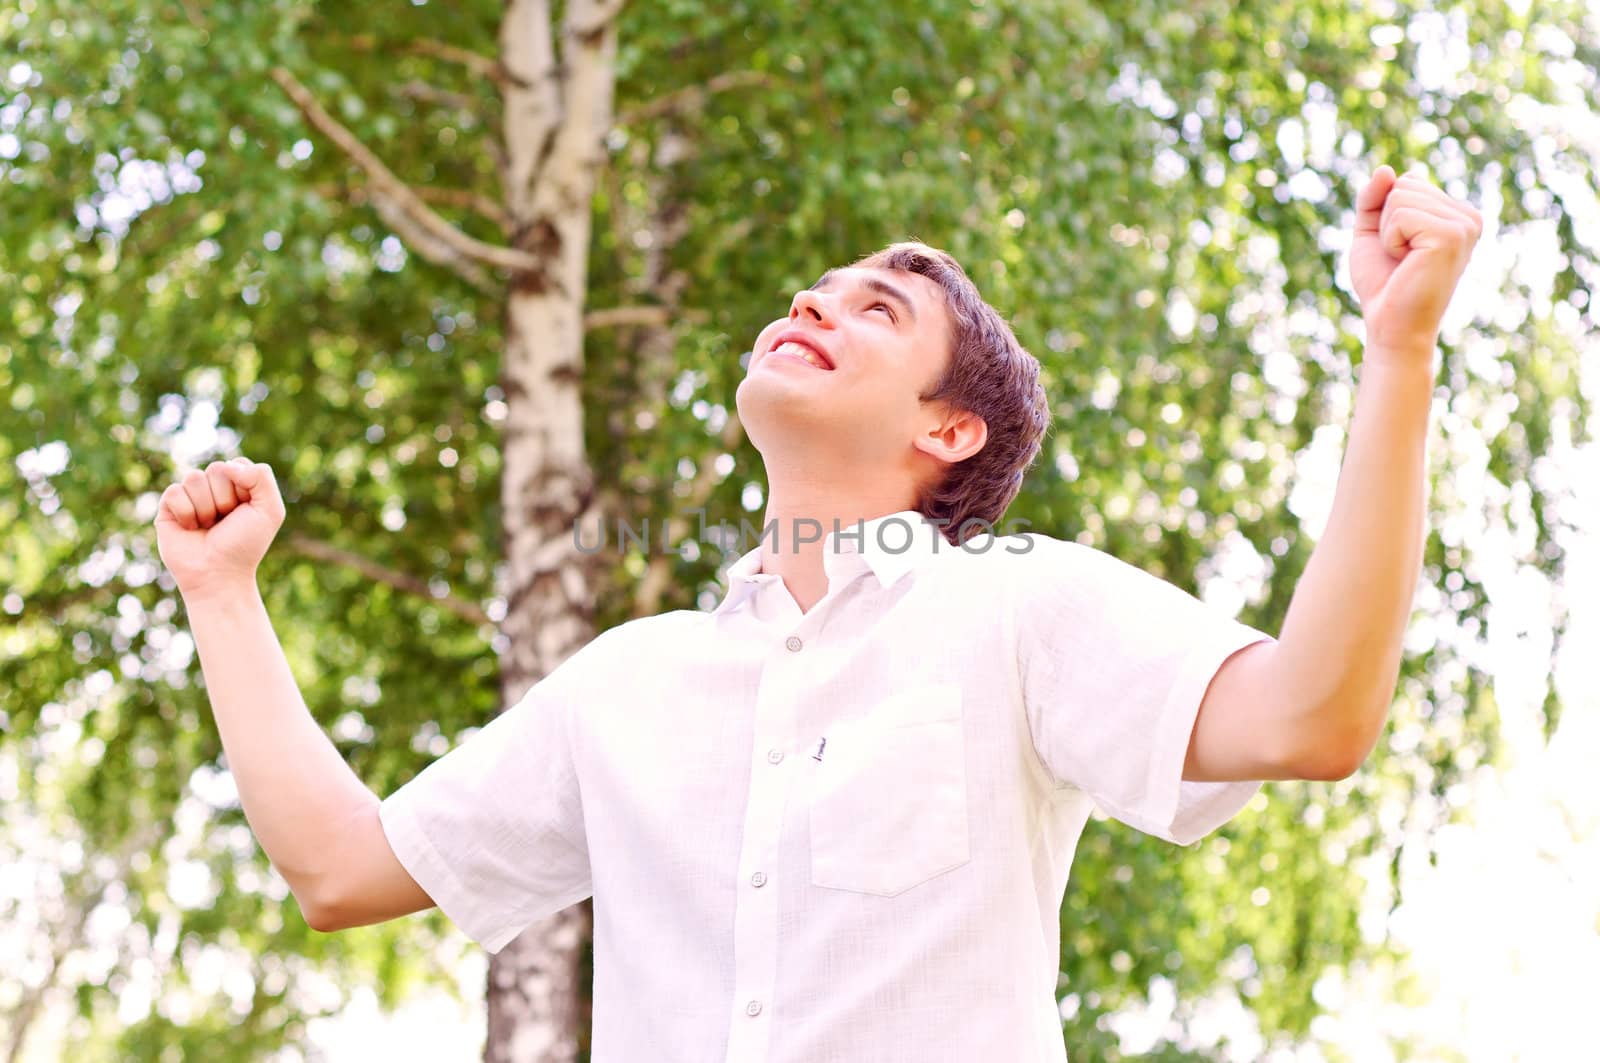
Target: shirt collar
{"x":888,"y":546}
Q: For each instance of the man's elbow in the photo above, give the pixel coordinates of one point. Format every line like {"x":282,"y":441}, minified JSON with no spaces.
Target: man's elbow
{"x":322,"y":920}
{"x":1334,"y":741}
{"x":320,"y":909}
{"x":1332,"y":759}
{"x":1330,"y":768}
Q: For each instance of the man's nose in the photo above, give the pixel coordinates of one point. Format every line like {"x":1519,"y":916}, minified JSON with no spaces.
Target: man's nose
{"x":809,"y":304}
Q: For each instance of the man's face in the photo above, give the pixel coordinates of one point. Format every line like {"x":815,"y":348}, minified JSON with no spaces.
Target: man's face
{"x":841,"y":375}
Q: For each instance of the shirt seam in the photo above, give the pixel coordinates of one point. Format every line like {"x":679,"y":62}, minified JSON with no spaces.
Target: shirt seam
{"x":402,"y":824}
{"x":1188,"y":691}
{"x":577,"y":781}
{"x":1051,"y":785}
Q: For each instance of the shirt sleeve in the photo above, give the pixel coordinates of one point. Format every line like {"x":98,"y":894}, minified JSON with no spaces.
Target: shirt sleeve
{"x":1114,"y":663}
{"x":493,"y":830}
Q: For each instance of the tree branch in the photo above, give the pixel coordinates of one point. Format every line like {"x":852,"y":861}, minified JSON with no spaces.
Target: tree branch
{"x":622,"y":316}
{"x":467,"y":200}
{"x":192,"y":12}
{"x":427,"y":245}
{"x":482,"y":65}
{"x":464,"y":198}
{"x":423,"y":92}
{"x":434,"y":235}
{"x":692,"y":97}
{"x":317,"y":550}
{"x":643,"y":316}
{"x":55,"y":608}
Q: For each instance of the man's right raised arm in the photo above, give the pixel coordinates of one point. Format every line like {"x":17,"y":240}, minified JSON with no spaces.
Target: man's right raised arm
{"x":316,"y":820}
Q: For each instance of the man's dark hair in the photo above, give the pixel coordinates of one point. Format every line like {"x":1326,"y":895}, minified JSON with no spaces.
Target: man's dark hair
{"x":991,"y":375}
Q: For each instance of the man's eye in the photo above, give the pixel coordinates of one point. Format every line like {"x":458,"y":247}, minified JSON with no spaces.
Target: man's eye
{"x":884,"y":307}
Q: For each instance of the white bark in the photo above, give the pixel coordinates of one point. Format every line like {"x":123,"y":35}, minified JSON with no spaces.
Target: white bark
{"x":555,"y":119}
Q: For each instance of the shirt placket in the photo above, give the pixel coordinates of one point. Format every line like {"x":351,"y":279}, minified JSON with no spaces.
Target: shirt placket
{"x":755,"y":916}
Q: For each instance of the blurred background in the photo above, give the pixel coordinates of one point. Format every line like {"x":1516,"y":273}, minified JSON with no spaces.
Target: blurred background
{"x":317,"y":234}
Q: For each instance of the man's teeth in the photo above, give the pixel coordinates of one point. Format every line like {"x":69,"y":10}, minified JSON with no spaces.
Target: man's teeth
{"x":800,"y":350}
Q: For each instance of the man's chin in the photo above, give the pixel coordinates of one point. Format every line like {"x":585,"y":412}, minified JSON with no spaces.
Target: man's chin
{"x":782,"y":388}
{"x":779,"y":411}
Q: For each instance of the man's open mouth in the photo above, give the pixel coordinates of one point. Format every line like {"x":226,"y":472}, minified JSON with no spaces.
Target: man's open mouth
{"x":803,"y":351}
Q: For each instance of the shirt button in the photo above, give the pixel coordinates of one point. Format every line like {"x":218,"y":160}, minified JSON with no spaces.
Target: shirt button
{"x":753,"y":1008}
{"x":774,"y":755}
{"x":758,"y":879}
{"x":794,"y":644}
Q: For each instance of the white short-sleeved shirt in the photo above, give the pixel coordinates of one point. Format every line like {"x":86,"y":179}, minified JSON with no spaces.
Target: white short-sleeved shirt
{"x":838,"y":835}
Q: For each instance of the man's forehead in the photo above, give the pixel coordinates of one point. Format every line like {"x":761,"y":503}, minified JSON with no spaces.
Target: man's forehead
{"x":844,"y":275}
{"x":911,"y":289}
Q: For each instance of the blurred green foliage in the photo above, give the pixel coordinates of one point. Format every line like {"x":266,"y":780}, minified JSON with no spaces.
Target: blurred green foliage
{"x":1153,"y":193}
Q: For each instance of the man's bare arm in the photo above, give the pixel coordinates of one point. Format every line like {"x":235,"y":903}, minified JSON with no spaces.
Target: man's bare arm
{"x":1311,"y":705}
{"x":1315,"y":703}
{"x":316,"y":821}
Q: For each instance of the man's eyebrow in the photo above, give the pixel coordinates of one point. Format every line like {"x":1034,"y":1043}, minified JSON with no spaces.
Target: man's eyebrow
{"x":882,"y":287}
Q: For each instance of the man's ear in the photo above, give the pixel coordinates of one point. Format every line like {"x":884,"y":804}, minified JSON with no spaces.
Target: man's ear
{"x":955,"y":437}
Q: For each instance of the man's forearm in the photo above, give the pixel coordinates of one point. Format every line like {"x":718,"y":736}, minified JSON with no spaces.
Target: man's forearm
{"x":1341,"y":640}
{"x":297,"y":791}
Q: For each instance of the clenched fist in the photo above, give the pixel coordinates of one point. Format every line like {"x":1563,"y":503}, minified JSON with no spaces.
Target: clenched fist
{"x":1412,"y":242}
{"x":214,"y":527}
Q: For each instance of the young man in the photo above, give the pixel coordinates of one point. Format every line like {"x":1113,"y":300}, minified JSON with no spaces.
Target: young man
{"x":832,"y":818}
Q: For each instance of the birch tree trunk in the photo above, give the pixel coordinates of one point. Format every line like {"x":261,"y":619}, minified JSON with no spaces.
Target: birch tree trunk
{"x":556,"y":85}
{"x":558,"y":107}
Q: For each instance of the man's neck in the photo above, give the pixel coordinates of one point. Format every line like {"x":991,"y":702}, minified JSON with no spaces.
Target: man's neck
{"x":812,"y":514}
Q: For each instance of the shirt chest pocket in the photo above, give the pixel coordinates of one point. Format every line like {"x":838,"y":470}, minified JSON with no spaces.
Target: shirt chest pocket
{"x":888,"y":798}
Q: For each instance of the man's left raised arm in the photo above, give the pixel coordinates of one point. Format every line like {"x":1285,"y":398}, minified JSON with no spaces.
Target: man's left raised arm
{"x":1313,"y":704}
